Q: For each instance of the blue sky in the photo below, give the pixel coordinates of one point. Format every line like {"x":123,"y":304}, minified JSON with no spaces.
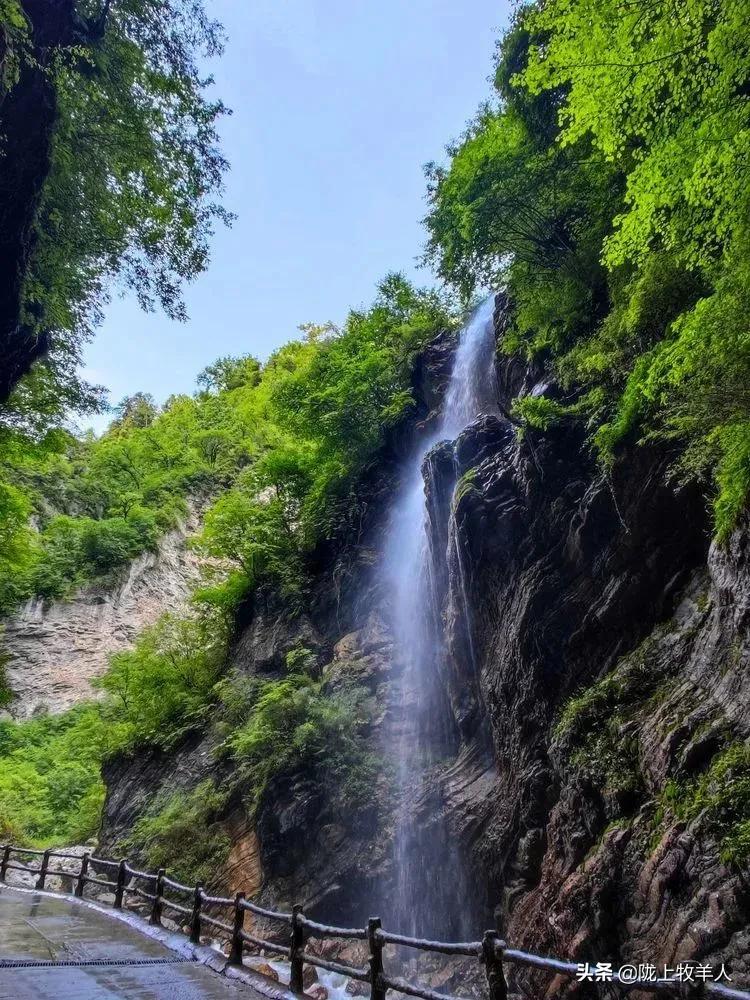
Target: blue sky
{"x":337,"y":105}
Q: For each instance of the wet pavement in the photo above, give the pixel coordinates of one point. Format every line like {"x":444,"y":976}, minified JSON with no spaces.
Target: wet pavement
{"x":36,"y":928}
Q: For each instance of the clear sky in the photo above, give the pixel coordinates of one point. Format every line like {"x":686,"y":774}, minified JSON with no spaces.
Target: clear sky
{"x":337,"y":104}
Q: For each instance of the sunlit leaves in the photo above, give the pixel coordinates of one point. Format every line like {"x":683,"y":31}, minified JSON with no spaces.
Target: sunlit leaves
{"x":131,"y":198}
{"x":624,"y":129}
{"x":662,"y":89}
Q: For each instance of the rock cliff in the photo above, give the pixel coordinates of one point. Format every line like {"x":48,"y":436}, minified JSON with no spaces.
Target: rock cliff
{"x":56,"y":649}
{"x":597,"y":673}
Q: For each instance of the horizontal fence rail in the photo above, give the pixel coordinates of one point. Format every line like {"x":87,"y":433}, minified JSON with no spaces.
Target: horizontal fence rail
{"x":492,"y":951}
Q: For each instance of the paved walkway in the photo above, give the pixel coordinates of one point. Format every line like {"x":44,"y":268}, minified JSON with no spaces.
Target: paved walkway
{"x":38,"y":928}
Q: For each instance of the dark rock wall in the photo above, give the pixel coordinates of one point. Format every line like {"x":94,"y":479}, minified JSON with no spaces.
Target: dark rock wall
{"x":554,"y":577}
{"x":573,"y":577}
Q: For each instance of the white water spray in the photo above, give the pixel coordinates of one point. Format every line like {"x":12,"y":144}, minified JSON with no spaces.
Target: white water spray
{"x":429,"y":880}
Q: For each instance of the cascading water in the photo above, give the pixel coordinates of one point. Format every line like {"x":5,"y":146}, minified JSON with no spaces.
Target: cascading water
{"x":430,"y":880}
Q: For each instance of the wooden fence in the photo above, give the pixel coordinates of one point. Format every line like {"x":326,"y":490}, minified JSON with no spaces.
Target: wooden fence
{"x":492,"y":951}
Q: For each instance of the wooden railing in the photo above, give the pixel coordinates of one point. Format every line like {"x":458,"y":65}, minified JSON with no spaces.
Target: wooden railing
{"x":492,"y":951}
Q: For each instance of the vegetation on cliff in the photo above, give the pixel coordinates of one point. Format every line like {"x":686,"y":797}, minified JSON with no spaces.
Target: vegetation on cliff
{"x":607,"y":187}
{"x":180,"y":832}
{"x":283,"y":447}
{"x":602,"y":735}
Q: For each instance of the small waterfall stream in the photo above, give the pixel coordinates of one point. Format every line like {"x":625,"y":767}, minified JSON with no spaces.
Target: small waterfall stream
{"x":431,"y":884}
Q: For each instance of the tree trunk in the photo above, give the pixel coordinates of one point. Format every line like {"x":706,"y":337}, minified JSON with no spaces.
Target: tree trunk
{"x":27,"y":120}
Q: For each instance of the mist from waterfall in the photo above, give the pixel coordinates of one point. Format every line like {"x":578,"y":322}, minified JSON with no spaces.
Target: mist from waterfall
{"x":430,"y":880}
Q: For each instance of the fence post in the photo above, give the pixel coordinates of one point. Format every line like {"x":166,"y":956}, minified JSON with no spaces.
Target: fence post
{"x":43,"y":871}
{"x":81,"y":883}
{"x":122,"y":875}
{"x":5,"y":862}
{"x":377,"y":990}
{"x":195,"y":917}
{"x":297,"y":945}
{"x":235,"y":952}
{"x":492,"y":945}
{"x":158,"y":903}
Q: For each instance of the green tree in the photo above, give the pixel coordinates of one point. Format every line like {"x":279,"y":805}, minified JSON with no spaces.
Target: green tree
{"x":138,"y":410}
{"x":668,"y":102}
{"x":163,"y":686}
{"x":661,"y":90}
{"x":18,"y":550}
{"x":230,"y":373}
{"x":607,"y":191}
{"x":130,"y":196}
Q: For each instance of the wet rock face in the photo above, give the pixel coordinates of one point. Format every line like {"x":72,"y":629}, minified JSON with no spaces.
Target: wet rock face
{"x":135,"y":782}
{"x":431,"y":374}
{"x":571,"y":578}
{"x":552,"y":581}
{"x":55,"y":650}
{"x":267,"y":634}
{"x":311,"y":851}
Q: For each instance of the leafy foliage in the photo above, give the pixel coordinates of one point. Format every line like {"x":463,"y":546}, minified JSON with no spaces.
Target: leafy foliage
{"x":51,"y":791}
{"x":98,"y":503}
{"x":181,"y":832}
{"x":17,"y":545}
{"x":722,"y":796}
{"x":14,"y":31}
{"x":607,"y":189}
{"x":329,"y":402}
{"x":294,"y":723}
{"x":165,"y":684}
{"x":130,"y":198}
{"x":667,"y":101}
{"x":595,"y":729}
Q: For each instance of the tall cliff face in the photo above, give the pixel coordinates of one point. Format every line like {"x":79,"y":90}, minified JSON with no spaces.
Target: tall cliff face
{"x":605,"y":589}
{"x":56,"y":649}
{"x":597,"y":666}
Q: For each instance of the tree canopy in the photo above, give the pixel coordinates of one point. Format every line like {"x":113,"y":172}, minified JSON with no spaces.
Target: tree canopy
{"x":126,"y":187}
{"x":607,"y":188}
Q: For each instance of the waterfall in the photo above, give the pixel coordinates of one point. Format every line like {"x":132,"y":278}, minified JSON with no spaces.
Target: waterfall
{"x":431,"y":885}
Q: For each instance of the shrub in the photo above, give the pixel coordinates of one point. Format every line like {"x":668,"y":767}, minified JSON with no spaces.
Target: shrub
{"x":593,"y":728}
{"x":628,"y":686}
{"x":76,"y":549}
{"x":51,"y":789}
{"x":258,"y":535}
{"x":293,"y":724}
{"x":115,"y":541}
{"x":181,"y":832}
{"x":165,"y":684}
{"x":301,"y":660}
{"x":722,"y":795}
{"x":18,"y":549}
